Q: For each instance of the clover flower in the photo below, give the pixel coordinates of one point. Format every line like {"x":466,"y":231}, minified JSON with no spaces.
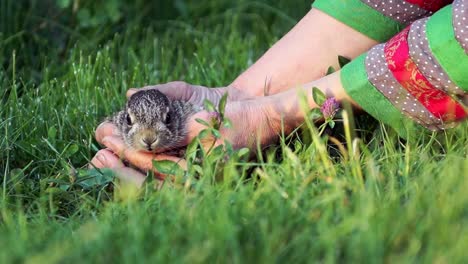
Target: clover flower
{"x":329,"y":108}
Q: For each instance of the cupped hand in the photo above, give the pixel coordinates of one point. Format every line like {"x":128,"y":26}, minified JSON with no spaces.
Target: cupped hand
{"x":195,"y":94}
{"x":252,"y":125}
{"x":116,"y":151}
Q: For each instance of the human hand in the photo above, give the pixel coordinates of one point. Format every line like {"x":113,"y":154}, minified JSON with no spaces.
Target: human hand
{"x":252,"y":124}
{"x":117,"y":150}
{"x":195,"y":94}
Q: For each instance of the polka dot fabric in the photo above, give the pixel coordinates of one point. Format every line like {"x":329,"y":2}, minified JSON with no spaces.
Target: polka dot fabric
{"x":382,"y":79}
{"x":419,"y":74}
{"x":427,"y":64}
{"x":398,"y":10}
{"x":460,"y":23}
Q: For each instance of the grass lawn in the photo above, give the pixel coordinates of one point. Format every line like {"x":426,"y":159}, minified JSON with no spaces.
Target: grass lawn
{"x":64,"y":67}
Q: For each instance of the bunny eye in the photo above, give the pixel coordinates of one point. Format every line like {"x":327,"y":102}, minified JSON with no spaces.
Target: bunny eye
{"x":168,"y":118}
{"x":129,"y":120}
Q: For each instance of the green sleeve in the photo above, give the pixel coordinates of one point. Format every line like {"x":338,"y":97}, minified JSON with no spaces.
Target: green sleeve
{"x":445,"y":47}
{"x":360,"y":17}
{"x":356,"y":84}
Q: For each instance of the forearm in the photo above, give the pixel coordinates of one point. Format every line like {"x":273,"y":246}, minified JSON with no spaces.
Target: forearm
{"x":303,"y":55}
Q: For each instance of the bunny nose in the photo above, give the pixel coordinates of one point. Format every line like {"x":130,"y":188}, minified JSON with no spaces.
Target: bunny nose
{"x":149,"y":142}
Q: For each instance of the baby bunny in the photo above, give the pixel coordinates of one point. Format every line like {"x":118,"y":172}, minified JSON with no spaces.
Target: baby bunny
{"x":151,"y":122}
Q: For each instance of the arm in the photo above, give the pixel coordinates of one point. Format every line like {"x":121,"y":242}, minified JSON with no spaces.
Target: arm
{"x":333,"y":27}
{"x":303,"y":55}
{"x":416,"y":67}
{"x":417,"y":79}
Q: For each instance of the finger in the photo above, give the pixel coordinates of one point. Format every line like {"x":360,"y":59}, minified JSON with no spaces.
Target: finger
{"x":142,"y":160}
{"x":105,"y":129}
{"x":105,"y":158}
{"x":175,"y":90}
{"x":96,"y":163}
{"x":130,"y":175}
{"x":131,"y":91}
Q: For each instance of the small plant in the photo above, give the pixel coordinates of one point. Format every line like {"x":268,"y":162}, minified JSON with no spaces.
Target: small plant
{"x":205,"y":150}
{"x":329,"y":107}
{"x":94,"y":13}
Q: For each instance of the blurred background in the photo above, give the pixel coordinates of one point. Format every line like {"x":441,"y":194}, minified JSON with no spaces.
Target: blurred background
{"x":44,"y":31}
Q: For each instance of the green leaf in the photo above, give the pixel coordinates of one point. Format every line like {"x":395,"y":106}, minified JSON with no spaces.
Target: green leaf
{"x":71,"y":150}
{"x":204,"y":133}
{"x":227,"y":123}
{"x":216,"y":133}
{"x":331,"y":123}
{"x":198,"y":169}
{"x":63,"y":3}
{"x":243,"y":152}
{"x":222,"y":104}
{"x":217,"y":152}
{"x":168,"y":167}
{"x":319,"y":96}
{"x":84,"y":16}
{"x":209,"y":106}
{"x":64,"y":187}
{"x":191,"y":150}
{"x":92,"y":178}
{"x":330,"y":70}
{"x":315,"y":114}
{"x":203,"y":122}
{"x":343,"y":61}
{"x":112,"y":10}
{"x":52,"y":133}
{"x":15,"y":176}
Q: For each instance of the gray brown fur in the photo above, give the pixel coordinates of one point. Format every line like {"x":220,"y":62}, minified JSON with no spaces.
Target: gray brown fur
{"x":151,"y":122}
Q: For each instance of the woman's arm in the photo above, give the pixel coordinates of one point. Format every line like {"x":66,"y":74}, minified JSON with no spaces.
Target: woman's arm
{"x":304,"y":54}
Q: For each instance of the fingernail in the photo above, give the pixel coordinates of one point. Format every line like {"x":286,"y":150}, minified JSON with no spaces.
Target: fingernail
{"x":101,"y":158}
{"x":131,"y":91}
{"x":105,"y":141}
{"x":110,"y":143}
{"x":102,"y":124}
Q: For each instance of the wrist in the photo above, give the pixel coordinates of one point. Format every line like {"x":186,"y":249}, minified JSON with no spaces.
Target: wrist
{"x":246,"y":87}
{"x":239,"y":92}
{"x":282,"y":111}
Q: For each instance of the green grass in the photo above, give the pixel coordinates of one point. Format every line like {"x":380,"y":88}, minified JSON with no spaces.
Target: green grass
{"x":388,"y":201}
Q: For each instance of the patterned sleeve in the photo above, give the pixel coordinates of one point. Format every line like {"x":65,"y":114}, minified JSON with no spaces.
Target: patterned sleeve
{"x":379,"y":20}
{"x":419,"y":76}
